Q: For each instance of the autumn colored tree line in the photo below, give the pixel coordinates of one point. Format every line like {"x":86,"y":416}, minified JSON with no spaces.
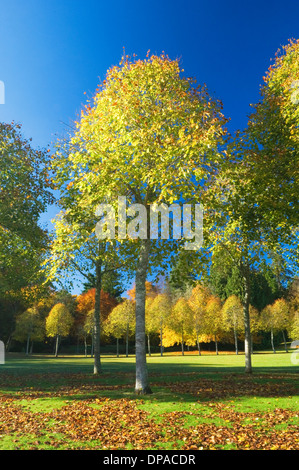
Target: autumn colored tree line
{"x":60,"y":315}
{"x":187,"y":319}
{"x":198,"y":317}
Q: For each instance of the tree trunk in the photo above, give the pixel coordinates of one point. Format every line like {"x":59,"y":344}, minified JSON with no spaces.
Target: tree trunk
{"x":183,"y":352}
{"x":8,"y":344}
{"x":198,"y":344}
{"x":57,"y":346}
{"x":285,"y":341}
{"x":117,"y":347}
{"x":92,"y":347}
{"x":216,"y":346}
{"x":236,"y":341}
{"x":85,"y":346}
{"x":127,"y":341}
{"x":246,"y":299}
{"x":161,"y":339}
{"x":149,"y":345}
{"x":142,"y":384}
{"x":272,"y":341}
{"x":27,"y":346}
{"x":97,"y":368}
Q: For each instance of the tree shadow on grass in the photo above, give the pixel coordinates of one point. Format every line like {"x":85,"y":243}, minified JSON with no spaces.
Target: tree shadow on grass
{"x":73,"y":379}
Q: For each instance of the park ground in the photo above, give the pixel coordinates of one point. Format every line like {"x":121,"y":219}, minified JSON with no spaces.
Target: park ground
{"x":198,"y":403}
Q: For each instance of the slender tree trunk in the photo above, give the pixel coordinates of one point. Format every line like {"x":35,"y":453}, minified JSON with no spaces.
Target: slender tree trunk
{"x":27,"y":346}
{"x":85,"y":346}
{"x":236,"y":341}
{"x":149,"y":345}
{"x":216,"y":346}
{"x":127,"y":341}
{"x":285,"y":341}
{"x":161,"y":339}
{"x":8,"y":344}
{"x":57,"y":346}
{"x":117,"y":347}
{"x":272,"y":341}
{"x":142,"y":383}
{"x":92,"y":345}
{"x":97,"y":368}
{"x":247,"y":342}
{"x":198,"y":344}
{"x":183,"y":352}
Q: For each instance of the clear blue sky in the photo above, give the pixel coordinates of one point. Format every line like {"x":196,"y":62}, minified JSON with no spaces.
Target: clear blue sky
{"x":53,"y":51}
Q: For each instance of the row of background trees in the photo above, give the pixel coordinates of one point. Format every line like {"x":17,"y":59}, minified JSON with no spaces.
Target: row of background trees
{"x":186,"y":316}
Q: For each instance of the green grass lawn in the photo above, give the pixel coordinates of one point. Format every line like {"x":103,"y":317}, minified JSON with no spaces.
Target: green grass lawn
{"x":205,"y":402}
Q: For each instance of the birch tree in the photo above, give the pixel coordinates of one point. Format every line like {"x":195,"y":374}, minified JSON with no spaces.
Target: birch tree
{"x":74,"y":252}
{"x":152,"y":136}
{"x":232,"y":314}
{"x":24,"y":195}
{"x":276,"y":318}
{"x":181,"y":321}
{"x":29,"y":327}
{"x":159,"y":313}
{"x":198,"y":303}
{"x":120,"y":323}
{"x":212,"y":321}
{"x":257,"y":190}
{"x":58,"y":323}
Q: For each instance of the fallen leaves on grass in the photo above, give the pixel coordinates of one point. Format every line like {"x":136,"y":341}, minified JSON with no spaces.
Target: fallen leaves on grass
{"x":89,"y":420}
{"x":57,"y":384}
{"x":232,"y":386}
{"x":122,"y":424}
{"x":116,"y":424}
{"x":253,"y":431}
